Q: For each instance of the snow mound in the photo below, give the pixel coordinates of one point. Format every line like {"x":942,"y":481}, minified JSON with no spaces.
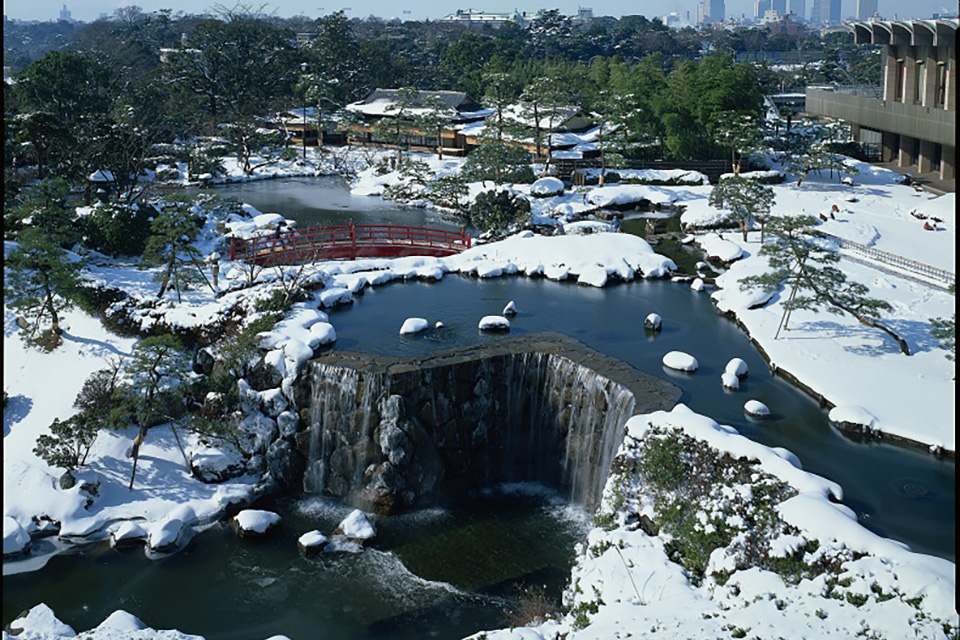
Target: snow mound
{"x":494,"y":323}
{"x":720,"y":249}
{"x":15,"y":537}
{"x":622,"y":195}
{"x":413,"y":325}
{"x":680,"y":361}
{"x":545,"y":187}
{"x":357,"y":526}
{"x":729,"y":381}
{"x":127,"y":531}
{"x":653,"y":321}
{"x":756,"y":408}
{"x":325,"y":332}
{"x":852,"y":415}
{"x":697,"y":284}
{"x":165,"y":534}
{"x":585,"y":227}
{"x":510,"y":309}
{"x":39,"y":623}
{"x":121,"y":621}
{"x":737,"y":367}
{"x":594,"y":276}
{"x":256,"y":521}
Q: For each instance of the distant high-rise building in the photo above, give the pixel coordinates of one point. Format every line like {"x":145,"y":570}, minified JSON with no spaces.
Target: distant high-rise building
{"x":760,"y":7}
{"x":866,"y":9}
{"x":715,"y":10}
{"x":798,"y":8}
{"x":780,"y":6}
{"x":825,"y":12}
{"x":65,"y":14}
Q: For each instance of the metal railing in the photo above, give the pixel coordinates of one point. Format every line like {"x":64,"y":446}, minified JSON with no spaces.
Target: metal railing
{"x":941,"y":276}
{"x":349,"y":241}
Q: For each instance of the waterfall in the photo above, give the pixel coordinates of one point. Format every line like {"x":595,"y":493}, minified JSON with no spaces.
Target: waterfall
{"x":415,"y":432}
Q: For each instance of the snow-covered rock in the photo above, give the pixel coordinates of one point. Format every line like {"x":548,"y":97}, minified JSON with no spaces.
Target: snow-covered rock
{"x":546,"y":187}
{"x":756,"y":409}
{"x":510,"y":309}
{"x":215,"y":466}
{"x":254,"y":522}
{"x":494,"y":323}
{"x":622,"y":195}
{"x":325,"y":332}
{"x":312,"y":542}
{"x":851,"y":416}
{"x":680,"y":361}
{"x":273,"y":402}
{"x":697,"y":284}
{"x":737,"y":367}
{"x":729,"y":381}
{"x":413,"y":325}
{"x":356,"y":527}
{"x":585,"y":227}
{"x":720,"y":249}
{"x":126,"y":533}
{"x":653,"y":322}
{"x":16,"y":540}
{"x":120,"y":622}
{"x":438,"y":325}
{"x":594,"y":275}
{"x":165,"y":535}
{"x":40,"y":623}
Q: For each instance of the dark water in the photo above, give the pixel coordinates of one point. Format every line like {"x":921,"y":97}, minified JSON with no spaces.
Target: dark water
{"x":324,"y":201}
{"x":899,"y":492}
{"x":429,"y":574}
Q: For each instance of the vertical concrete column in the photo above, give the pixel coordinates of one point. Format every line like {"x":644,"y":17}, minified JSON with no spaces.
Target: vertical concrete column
{"x":910,"y":71}
{"x":905,"y":158}
{"x":891,"y":146}
{"x":929,"y":90}
{"x":927,"y":151}
{"x":890,"y":73}
{"x":950,"y":98}
{"x":948,"y":163}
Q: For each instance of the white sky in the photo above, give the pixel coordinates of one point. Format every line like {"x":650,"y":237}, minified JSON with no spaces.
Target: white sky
{"x":87,"y":10}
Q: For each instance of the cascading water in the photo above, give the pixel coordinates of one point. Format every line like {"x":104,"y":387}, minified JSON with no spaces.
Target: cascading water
{"x":390,"y":433}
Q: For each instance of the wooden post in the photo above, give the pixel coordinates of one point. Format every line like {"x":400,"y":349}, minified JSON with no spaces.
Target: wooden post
{"x":353,"y":241}
{"x":233,"y":249}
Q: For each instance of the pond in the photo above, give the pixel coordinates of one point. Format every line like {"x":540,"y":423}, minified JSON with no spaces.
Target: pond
{"x":448,"y":572}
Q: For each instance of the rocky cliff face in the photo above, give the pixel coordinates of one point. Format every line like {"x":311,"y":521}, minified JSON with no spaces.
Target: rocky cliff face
{"x":385,"y":433}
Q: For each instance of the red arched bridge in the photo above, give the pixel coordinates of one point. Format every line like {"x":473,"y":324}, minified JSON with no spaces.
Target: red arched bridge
{"x":348,"y":242}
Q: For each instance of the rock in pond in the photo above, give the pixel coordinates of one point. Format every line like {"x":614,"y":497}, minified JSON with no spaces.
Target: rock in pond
{"x":254,"y":523}
{"x":357,"y":527}
{"x":312,"y":543}
{"x":680,"y":361}
{"x":494,"y":323}
{"x":756,"y":409}
{"x":413,"y":325}
{"x":652,"y":322}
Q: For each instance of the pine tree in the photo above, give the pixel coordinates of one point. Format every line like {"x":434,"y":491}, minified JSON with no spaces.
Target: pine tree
{"x":170,"y":245}
{"x":945,"y":331}
{"x":40,"y":282}
{"x":68,"y":443}
{"x":738,"y":132}
{"x":798,"y":258}
{"x":747,"y":200}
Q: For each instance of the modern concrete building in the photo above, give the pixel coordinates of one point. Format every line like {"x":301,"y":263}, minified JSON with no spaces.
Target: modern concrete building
{"x":825,"y":12}
{"x":710,"y":11}
{"x":798,"y":8}
{"x":915,"y":114}
{"x":866,"y":9}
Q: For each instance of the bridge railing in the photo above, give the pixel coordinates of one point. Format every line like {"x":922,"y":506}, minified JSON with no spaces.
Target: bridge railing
{"x":942,"y":276}
{"x":318,"y":243}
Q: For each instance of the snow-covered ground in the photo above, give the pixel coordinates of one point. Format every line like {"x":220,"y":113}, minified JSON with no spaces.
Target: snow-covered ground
{"x":852,"y":366}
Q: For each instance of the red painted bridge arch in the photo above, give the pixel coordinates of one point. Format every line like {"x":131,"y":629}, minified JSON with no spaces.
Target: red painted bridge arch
{"x":349,"y":241}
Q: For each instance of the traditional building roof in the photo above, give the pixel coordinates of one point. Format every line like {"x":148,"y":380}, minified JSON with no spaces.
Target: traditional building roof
{"x":381,"y":102}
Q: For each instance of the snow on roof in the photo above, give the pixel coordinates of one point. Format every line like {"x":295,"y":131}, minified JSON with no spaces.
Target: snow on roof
{"x":382,"y":102}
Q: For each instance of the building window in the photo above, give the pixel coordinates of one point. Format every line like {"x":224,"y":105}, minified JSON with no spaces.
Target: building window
{"x":918,"y":81}
{"x":901,"y":79}
{"x":941,"y":84}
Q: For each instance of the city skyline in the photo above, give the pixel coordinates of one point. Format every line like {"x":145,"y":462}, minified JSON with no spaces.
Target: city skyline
{"x":87,"y":11}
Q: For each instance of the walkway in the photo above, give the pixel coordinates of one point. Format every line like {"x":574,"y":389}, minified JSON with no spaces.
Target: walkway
{"x":941,"y":277}
{"x":348,"y":242}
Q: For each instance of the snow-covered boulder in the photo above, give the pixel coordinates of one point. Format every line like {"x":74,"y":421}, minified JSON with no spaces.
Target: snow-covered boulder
{"x":164,"y":535}
{"x":119,"y":623}
{"x":719,"y":249}
{"x":439,"y":325}
{"x":729,"y":381}
{"x":312,"y":542}
{"x":546,"y":187}
{"x":356,"y":527}
{"x":16,"y":540}
{"x":413,"y":325}
{"x":489,"y":269}
{"x":510,"y":309}
{"x":697,"y":284}
{"x":680,"y":361}
{"x":852,"y":417}
{"x":593,"y":275}
{"x":653,"y":322}
{"x":631,"y":194}
{"x":287,"y":423}
{"x":252,"y":523}
{"x":214,"y":466}
{"x":756,"y":409}
{"x":273,"y":402}
{"x":585,"y":227}
{"x":556,"y":272}
{"x":494,"y":323}
{"x":127,"y":533}
{"x":737,"y":367}
{"x":39,"y":623}
{"x":325,"y":332}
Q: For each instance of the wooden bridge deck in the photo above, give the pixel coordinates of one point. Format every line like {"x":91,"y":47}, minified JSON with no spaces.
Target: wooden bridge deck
{"x":348,"y":242}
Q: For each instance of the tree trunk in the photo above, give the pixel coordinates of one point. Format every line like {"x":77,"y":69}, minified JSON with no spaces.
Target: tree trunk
{"x":603,"y":157}
{"x":904,"y":348}
{"x":54,"y":317}
{"x":536,"y":125}
{"x":166,"y":280}
{"x":135,"y":453}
